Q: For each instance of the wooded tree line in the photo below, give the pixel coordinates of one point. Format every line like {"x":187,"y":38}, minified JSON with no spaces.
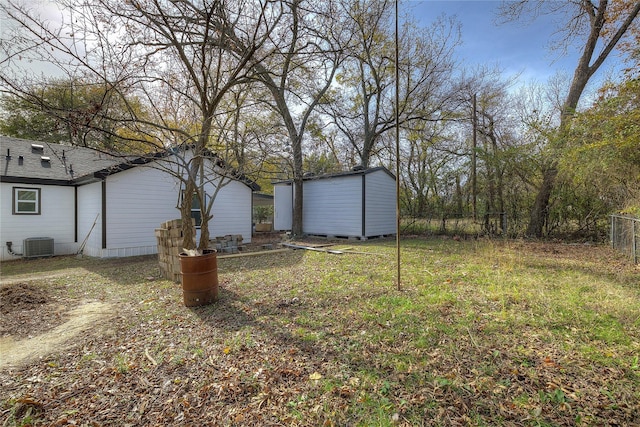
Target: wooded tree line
{"x":281,"y":88}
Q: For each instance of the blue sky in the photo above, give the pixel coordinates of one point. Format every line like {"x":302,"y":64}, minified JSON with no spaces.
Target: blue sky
{"x":516,"y":48}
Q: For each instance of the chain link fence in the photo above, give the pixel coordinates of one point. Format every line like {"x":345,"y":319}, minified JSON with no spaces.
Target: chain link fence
{"x":625,"y":235}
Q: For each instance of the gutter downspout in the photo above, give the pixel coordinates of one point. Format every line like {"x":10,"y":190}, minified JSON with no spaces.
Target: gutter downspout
{"x":364,"y":208}
{"x":104,"y":214}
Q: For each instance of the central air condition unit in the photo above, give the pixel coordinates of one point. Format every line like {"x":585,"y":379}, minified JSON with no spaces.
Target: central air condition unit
{"x":37,"y":247}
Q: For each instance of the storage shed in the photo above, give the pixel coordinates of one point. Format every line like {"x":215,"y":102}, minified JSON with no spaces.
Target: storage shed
{"x":358,"y":203}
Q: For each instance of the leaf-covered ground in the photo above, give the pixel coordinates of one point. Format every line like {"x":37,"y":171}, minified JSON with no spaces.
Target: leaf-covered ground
{"x":482,"y":333}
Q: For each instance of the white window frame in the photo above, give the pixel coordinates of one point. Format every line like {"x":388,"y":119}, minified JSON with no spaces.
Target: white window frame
{"x":196,"y":212}
{"x":17,"y":201}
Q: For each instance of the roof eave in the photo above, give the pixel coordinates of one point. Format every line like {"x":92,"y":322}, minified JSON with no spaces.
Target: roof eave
{"x":36,"y":181}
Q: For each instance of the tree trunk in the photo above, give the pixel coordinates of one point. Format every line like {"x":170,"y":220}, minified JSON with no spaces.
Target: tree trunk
{"x":584,"y":70}
{"x":540,"y":209}
{"x":296,"y":226}
{"x":188,"y":231}
{"x":204,"y":228}
{"x":364,"y":158}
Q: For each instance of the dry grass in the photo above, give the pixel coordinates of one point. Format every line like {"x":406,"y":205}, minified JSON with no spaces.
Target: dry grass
{"x":483,"y":333}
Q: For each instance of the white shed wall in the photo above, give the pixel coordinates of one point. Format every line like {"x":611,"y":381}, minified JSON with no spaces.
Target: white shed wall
{"x":333,"y":206}
{"x":282,"y":206}
{"x":56,"y":219}
{"x":138,"y":200}
{"x":232,"y":208}
{"x":380,"y":196}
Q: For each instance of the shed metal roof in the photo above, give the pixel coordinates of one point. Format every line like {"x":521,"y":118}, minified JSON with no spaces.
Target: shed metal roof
{"x":340,"y":175}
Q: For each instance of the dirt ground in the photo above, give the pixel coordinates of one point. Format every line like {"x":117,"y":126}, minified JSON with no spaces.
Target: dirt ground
{"x":264,"y":238}
{"x":27,"y":310}
{"x":35,"y":323}
{"x":15,"y":352}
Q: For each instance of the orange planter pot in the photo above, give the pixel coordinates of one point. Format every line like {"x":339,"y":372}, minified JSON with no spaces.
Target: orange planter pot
{"x":199,"y":278}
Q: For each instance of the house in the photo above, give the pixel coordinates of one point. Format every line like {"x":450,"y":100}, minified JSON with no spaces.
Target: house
{"x":57,"y":199}
{"x":359,"y":203}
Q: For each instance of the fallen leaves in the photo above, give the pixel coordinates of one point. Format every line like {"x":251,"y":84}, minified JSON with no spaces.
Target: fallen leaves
{"x":305,"y":339}
{"x":315,"y":376}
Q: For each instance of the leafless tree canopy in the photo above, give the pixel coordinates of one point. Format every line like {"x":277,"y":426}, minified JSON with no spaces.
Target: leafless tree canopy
{"x":271,"y":87}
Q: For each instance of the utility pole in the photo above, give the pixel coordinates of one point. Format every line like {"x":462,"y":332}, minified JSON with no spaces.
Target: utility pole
{"x":474,"y":182}
{"x":397,"y":153}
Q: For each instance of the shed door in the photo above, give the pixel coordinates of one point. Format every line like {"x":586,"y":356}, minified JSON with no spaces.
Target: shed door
{"x":282,"y":207}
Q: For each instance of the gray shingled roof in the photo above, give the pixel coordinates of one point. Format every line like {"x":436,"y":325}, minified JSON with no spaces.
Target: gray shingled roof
{"x":23,"y":159}
{"x":27,"y":161}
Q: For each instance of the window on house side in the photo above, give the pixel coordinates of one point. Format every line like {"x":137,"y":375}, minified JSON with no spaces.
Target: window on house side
{"x":196,"y":212}
{"x":26,"y":201}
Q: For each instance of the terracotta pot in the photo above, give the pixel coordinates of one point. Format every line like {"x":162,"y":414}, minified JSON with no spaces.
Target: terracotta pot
{"x":199,"y":278}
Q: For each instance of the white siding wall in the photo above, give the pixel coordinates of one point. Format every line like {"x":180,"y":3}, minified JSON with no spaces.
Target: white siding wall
{"x":333,"y":206}
{"x":56,"y":219}
{"x":138,"y":201}
{"x":231,"y":211}
{"x":282,"y":206}
{"x":89,"y":210}
{"x":380,"y":193}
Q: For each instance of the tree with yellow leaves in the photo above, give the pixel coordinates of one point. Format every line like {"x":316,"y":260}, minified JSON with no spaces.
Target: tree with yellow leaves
{"x":601,"y":26}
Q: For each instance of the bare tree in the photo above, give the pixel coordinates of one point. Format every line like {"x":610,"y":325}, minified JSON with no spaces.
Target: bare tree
{"x":363,"y":106}
{"x":601,"y":25}
{"x":299,"y":73}
{"x":181,"y":58}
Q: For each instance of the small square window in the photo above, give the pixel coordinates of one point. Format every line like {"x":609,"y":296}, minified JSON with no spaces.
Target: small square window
{"x":196,"y":211}
{"x":26,"y":201}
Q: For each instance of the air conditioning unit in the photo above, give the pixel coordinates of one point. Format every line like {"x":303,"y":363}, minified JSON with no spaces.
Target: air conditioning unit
{"x":37,"y":247}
